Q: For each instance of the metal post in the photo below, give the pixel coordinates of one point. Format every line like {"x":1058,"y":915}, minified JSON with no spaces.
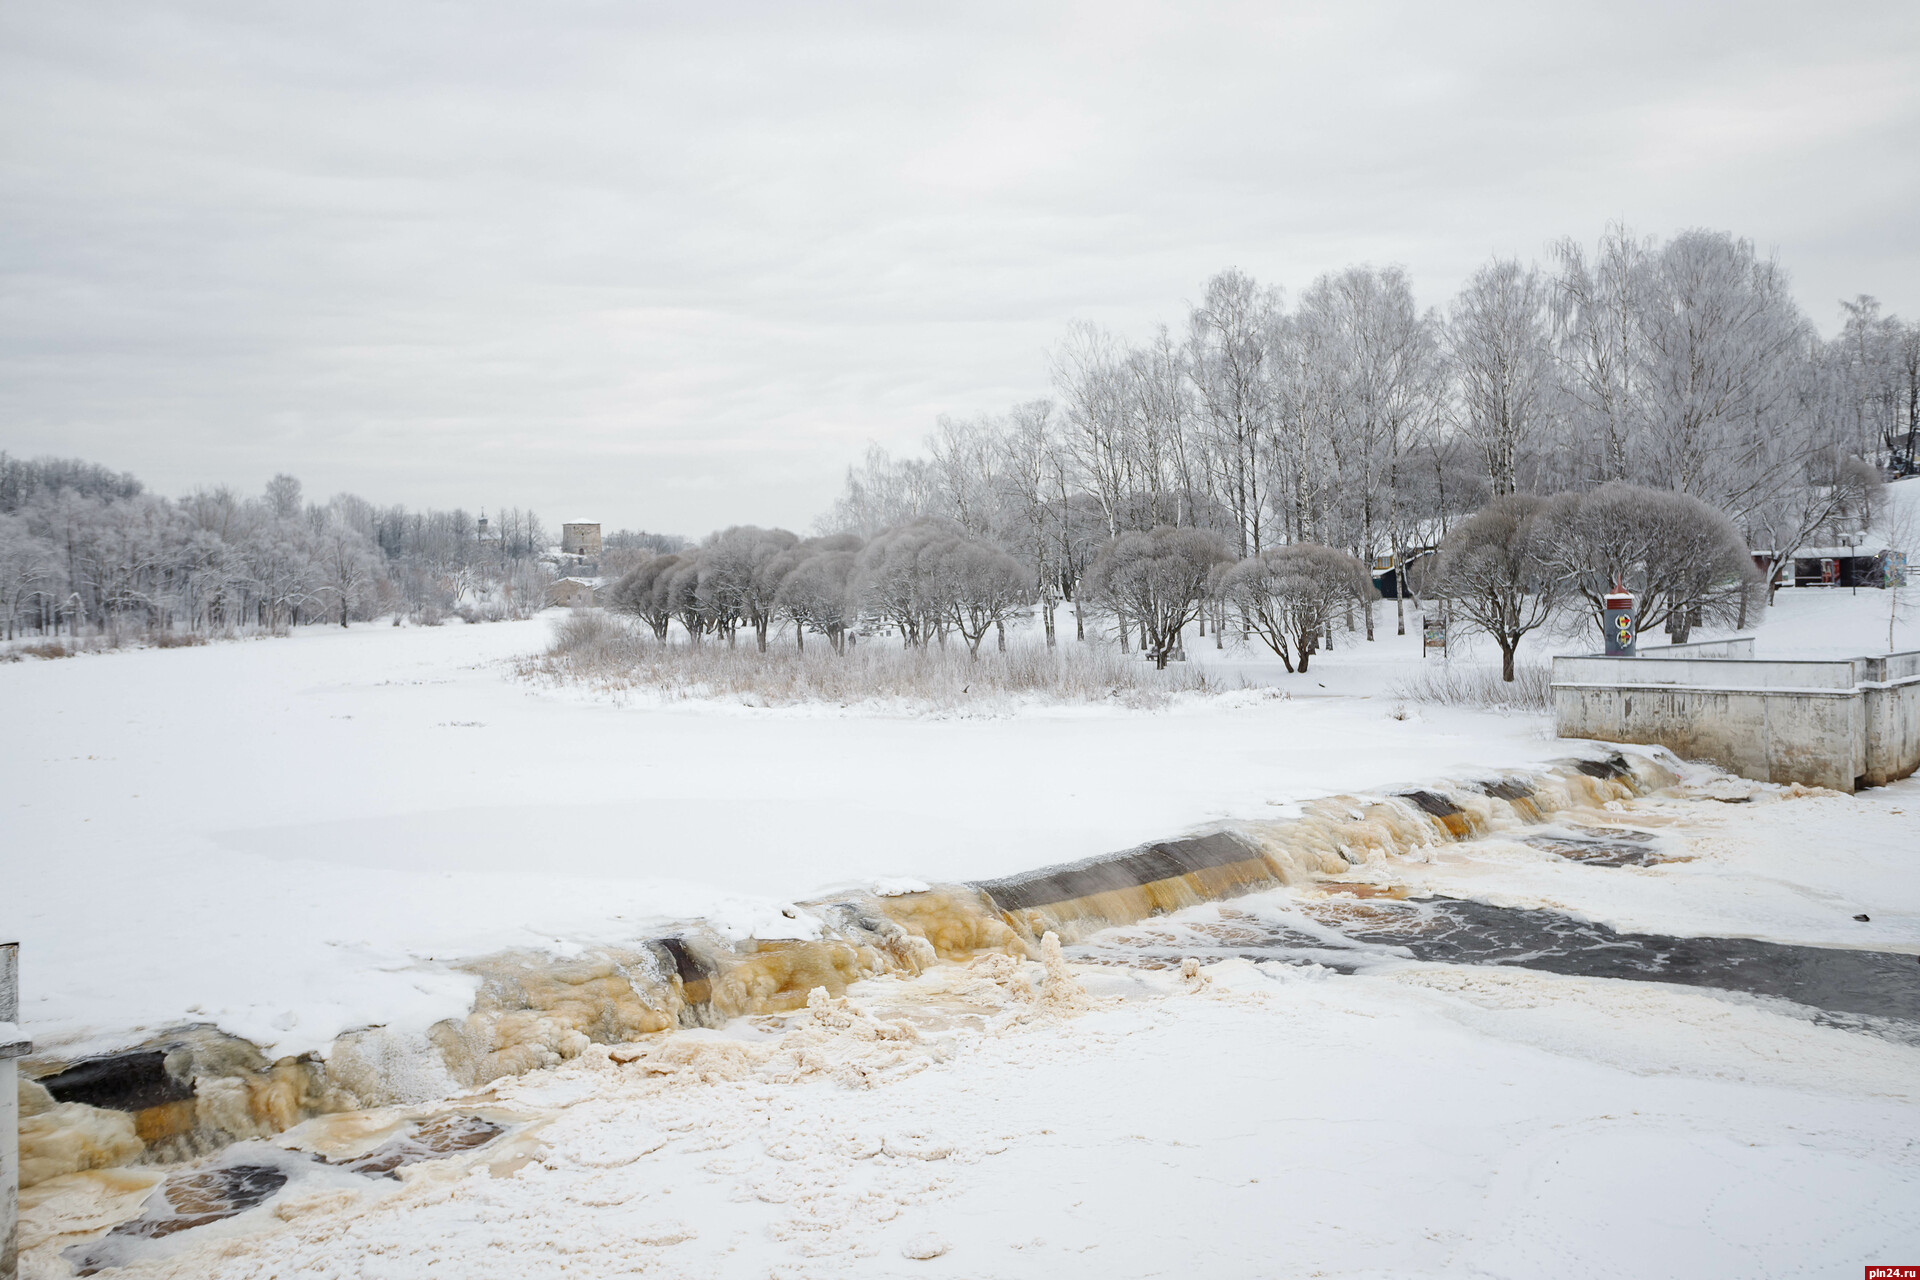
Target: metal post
{"x":13,"y":1044}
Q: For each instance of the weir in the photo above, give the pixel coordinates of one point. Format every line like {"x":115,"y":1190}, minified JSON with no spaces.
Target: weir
{"x":194,"y":1090}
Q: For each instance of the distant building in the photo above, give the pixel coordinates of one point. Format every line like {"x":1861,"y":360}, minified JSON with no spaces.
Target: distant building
{"x":1414,"y":575}
{"x":1849,"y":567}
{"x":571,"y":593}
{"x":580,"y":538}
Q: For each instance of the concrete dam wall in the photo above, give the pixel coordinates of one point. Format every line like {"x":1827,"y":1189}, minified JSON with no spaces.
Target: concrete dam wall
{"x":1843,"y":723}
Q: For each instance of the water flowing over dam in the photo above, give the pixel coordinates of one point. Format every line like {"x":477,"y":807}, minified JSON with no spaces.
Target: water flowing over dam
{"x":196,"y":1091}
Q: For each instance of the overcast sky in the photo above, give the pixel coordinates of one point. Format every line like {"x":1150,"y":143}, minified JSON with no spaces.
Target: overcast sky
{"x":674,"y":266}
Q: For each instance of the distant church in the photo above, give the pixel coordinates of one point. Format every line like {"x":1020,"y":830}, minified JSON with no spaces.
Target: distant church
{"x":580,"y":538}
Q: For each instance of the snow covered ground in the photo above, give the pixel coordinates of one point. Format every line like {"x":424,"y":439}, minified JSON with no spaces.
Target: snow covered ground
{"x":291,"y":838}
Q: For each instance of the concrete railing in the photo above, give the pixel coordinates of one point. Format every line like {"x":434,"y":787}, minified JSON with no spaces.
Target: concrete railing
{"x":1716,"y":673}
{"x":1732,"y":647}
{"x":1841,"y":723}
{"x":13,"y":1044}
{"x":1893,"y":668}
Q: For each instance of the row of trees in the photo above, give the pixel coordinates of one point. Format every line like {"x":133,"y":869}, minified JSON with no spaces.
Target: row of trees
{"x":1349,"y":417}
{"x":85,"y":549}
{"x":927,"y":579}
{"x":1516,"y":565}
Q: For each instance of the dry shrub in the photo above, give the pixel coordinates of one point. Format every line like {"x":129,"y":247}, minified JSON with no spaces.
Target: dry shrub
{"x":604,"y":652}
{"x":46,"y":649}
{"x":1458,"y":684}
{"x":176,"y":639}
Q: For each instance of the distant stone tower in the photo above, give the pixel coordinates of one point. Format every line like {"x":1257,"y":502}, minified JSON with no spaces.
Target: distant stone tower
{"x":580,"y":538}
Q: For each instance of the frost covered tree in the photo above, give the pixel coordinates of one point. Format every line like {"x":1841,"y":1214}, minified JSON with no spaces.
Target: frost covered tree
{"x":1815,"y":492}
{"x":1596,"y":307}
{"x":348,"y":565}
{"x":818,"y":593}
{"x":679,"y":590}
{"x":640,"y":593}
{"x":966,"y":457}
{"x":1499,"y":344}
{"x":1876,"y":361}
{"x":978,"y":587}
{"x":283,"y":497}
{"x":1721,"y":336}
{"x":1230,"y":347}
{"x":1684,"y":362}
{"x":1381,"y":393}
{"x":1157,"y":581}
{"x":28,"y":568}
{"x":1168,"y":457}
{"x":1899,"y":525}
{"x":1497,"y":571}
{"x":1090,"y":381}
{"x":735,"y":585}
{"x":1684,"y":561}
{"x":1034,"y":521}
{"x":896,"y":582}
{"x":879,"y":494}
{"x":1289,"y":596}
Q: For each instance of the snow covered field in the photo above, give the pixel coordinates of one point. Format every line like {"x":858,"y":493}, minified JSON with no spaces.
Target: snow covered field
{"x":292,"y":838}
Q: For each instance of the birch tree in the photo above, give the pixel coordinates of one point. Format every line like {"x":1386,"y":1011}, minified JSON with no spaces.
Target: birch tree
{"x":1090,"y":381}
{"x":1500,"y":348}
{"x":1230,"y":343}
{"x":1596,"y":305}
